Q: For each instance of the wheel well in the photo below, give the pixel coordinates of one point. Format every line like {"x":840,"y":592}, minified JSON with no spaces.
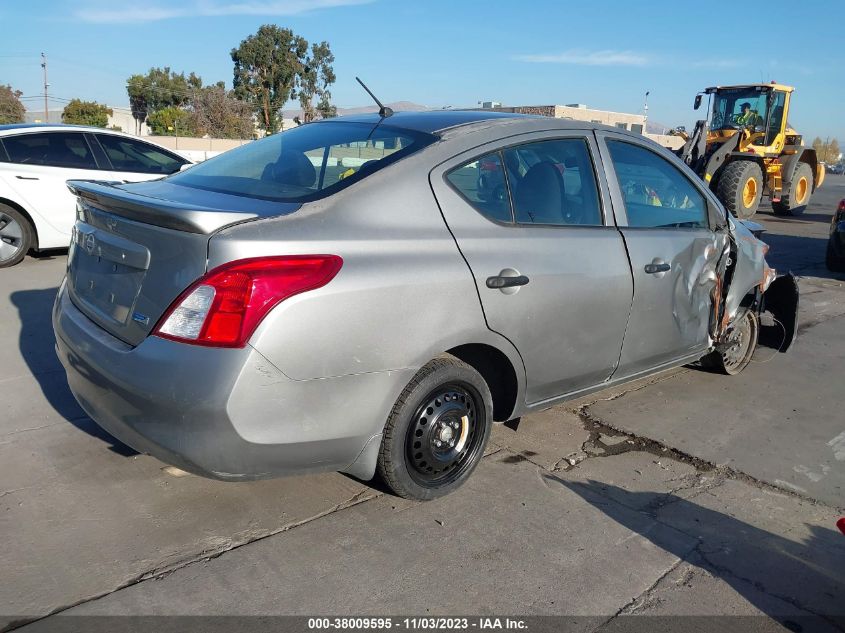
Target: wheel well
{"x":809,"y":156}
{"x":28,"y":217}
{"x":498,"y":373}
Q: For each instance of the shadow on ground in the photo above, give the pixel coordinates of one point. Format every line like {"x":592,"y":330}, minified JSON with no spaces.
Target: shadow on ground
{"x":37,"y":347}
{"x":757,"y":564}
{"x":802,"y":255}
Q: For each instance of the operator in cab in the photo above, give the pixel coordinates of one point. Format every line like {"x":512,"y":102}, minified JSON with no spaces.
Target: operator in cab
{"x":747,"y":116}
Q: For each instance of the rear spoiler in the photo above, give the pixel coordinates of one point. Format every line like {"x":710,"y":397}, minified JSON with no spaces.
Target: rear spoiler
{"x":109,"y":196}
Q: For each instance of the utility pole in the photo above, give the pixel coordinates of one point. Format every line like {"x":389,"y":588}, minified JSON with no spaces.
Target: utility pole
{"x":44,"y":66}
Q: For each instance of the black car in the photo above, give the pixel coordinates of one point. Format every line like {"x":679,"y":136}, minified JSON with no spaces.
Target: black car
{"x":835,"y":258}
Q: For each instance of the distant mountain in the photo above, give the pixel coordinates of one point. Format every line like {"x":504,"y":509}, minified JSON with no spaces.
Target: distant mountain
{"x":655,"y":127}
{"x":396,"y":106}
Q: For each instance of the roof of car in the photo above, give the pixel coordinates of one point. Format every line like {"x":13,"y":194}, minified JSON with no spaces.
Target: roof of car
{"x":434,"y":120}
{"x":22,"y":126}
{"x":441,"y":121}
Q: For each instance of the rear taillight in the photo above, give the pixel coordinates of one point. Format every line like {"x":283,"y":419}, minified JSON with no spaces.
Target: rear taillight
{"x":223,"y":308}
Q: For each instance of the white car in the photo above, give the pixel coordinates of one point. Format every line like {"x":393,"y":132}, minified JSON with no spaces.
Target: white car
{"x":37,"y":211}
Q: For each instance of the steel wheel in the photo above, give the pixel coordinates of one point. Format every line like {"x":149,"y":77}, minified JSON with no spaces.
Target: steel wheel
{"x":801,"y":189}
{"x":740,"y":342}
{"x":442,"y":438}
{"x":749,"y":193}
{"x":438,"y":428}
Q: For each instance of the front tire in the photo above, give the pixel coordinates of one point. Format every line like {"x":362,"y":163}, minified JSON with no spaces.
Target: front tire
{"x":437,"y":431}
{"x":16,"y":236}
{"x":740,"y":188}
{"x":733,"y":354}
{"x":795,"y":201}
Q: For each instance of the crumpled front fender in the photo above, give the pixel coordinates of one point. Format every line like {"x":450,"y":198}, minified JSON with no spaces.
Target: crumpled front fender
{"x":753,"y":276}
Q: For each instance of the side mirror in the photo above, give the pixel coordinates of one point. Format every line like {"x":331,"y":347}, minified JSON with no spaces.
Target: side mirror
{"x":697,"y":103}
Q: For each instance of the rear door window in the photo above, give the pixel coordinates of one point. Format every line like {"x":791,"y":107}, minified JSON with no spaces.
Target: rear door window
{"x":305,"y":163}
{"x":136,"y":156}
{"x":553,"y":182}
{"x":482,"y":183}
{"x":656,"y":193}
{"x":51,"y":149}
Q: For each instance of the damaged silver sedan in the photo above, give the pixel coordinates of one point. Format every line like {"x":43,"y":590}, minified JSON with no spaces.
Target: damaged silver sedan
{"x":369,"y":294}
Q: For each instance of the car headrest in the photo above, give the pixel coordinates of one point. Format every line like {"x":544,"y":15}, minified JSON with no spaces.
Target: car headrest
{"x":292,"y":168}
{"x":539,"y":195}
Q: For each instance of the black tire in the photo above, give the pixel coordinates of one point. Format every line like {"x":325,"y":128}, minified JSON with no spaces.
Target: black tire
{"x":795,"y":200}
{"x":735,"y":180}
{"x":447,"y":401}
{"x":17,"y":236}
{"x":834,"y":263}
{"x":733,"y":354}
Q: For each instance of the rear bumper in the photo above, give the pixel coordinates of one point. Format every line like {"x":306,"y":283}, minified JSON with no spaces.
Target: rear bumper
{"x":222,"y":413}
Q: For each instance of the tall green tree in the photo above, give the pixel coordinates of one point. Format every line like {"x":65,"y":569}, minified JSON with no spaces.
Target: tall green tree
{"x":86,"y":113}
{"x":818,"y":145}
{"x":136,"y":87}
{"x":267,"y":67}
{"x":159,"y":88}
{"x":317,"y":75}
{"x":11,"y":108}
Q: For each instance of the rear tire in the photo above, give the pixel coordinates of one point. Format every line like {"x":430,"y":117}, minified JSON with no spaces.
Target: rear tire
{"x":795,"y":201}
{"x":437,"y":431}
{"x":740,"y":188}
{"x":834,"y":264}
{"x":733,"y":354}
{"x":17,"y":236}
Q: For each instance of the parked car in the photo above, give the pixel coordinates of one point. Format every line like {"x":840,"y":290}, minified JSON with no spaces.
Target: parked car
{"x":835,"y":255}
{"x":36,"y":209}
{"x":257,"y":314}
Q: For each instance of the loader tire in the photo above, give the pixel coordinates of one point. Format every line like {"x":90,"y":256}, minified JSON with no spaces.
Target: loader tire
{"x":740,"y":188}
{"x":794,"y":201}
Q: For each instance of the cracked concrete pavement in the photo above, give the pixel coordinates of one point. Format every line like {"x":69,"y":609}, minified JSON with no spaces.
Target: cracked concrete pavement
{"x":686,"y":493}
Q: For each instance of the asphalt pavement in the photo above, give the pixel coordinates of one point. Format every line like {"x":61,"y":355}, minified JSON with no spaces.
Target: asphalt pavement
{"x":688,"y":493}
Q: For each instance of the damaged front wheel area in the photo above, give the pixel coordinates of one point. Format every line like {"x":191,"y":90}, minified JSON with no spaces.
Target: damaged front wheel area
{"x":734,"y":352}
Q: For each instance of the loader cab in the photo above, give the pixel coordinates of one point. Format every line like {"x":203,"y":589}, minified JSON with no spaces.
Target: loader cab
{"x":760,"y":109}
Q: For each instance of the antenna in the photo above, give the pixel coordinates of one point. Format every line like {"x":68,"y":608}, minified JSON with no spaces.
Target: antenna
{"x":384,"y":111}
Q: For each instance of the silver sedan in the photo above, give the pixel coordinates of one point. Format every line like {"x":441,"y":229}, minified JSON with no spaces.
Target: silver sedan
{"x":346,"y":296}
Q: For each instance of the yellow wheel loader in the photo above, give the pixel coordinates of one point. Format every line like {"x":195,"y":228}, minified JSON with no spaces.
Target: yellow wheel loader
{"x":746,"y":150}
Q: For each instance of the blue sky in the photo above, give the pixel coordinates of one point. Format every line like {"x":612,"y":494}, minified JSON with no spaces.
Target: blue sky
{"x":437,"y":52}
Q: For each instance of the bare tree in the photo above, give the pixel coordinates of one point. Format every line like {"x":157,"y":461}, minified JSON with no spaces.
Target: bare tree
{"x":217,"y":113}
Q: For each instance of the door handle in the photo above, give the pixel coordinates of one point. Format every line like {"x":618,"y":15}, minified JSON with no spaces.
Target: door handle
{"x":499,"y":282}
{"x":654,"y":268}
{"x":27,"y":177}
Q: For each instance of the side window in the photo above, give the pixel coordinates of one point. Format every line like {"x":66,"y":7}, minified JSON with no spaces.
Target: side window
{"x":656,"y":193}
{"x":553,"y":182}
{"x":482,"y":183}
{"x":775,"y":119}
{"x":54,"y":149}
{"x":136,"y":156}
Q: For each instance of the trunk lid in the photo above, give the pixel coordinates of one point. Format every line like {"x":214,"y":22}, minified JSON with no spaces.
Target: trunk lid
{"x":136,"y":247}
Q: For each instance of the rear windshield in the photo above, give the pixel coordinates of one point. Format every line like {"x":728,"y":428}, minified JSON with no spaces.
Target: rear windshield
{"x":305,"y":163}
